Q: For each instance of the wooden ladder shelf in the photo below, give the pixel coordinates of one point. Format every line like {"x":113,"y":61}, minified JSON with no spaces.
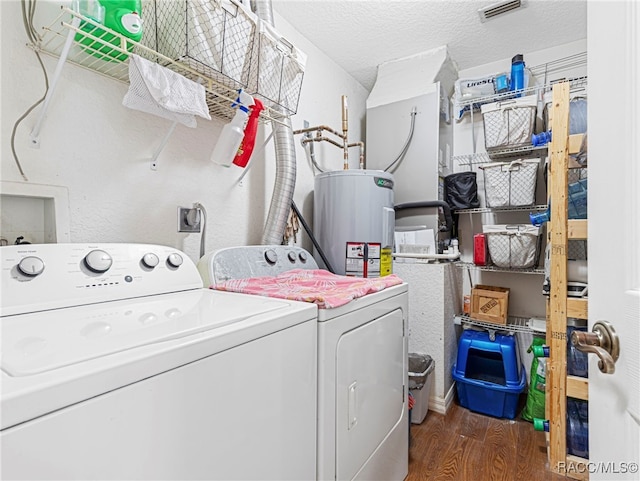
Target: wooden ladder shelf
{"x":559,"y":386}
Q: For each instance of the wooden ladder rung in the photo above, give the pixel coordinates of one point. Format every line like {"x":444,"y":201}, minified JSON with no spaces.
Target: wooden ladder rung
{"x":575,"y":142}
{"x":578,"y":387}
{"x":577,"y":229}
{"x":577,"y":308}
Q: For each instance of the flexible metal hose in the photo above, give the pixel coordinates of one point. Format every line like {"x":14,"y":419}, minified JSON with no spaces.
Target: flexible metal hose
{"x":285,"y":181}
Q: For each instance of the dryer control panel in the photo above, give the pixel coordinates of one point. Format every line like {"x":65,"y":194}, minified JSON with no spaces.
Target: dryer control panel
{"x":38,"y":277}
{"x":253,"y":261}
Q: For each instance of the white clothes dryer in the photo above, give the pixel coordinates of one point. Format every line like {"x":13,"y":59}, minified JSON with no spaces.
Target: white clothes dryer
{"x":117,"y":364}
{"x":362,"y":367}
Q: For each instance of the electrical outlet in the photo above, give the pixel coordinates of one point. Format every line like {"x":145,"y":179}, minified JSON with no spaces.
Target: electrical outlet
{"x":189,"y":219}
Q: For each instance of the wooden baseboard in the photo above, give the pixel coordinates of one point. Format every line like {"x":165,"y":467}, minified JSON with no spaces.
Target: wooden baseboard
{"x":441,"y":405}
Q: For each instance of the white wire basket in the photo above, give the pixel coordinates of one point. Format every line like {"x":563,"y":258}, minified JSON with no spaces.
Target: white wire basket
{"x":513,"y":245}
{"x":509,"y":124}
{"x":510,"y":184}
{"x":223,"y":40}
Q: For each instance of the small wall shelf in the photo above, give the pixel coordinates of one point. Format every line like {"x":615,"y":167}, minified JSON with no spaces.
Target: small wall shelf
{"x":221,"y":91}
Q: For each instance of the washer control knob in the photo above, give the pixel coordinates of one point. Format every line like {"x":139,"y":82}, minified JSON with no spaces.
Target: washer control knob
{"x":174,"y":260}
{"x":98,"y":261}
{"x":292,"y":256}
{"x":302,"y":256}
{"x":31,"y":266}
{"x":150,"y":260}
{"x":270,"y":256}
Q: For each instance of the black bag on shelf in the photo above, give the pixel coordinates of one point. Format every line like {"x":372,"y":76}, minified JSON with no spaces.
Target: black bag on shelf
{"x":461,"y":191}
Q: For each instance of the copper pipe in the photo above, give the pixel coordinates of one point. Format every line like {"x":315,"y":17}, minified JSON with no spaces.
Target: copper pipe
{"x":320,"y":139}
{"x":361,"y":145}
{"x":345,"y":145}
{"x":318,"y":128}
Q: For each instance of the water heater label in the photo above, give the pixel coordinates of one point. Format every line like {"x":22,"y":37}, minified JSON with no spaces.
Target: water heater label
{"x":382,"y":182}
{"x":386,"y":261}
{"x":363,"y":259}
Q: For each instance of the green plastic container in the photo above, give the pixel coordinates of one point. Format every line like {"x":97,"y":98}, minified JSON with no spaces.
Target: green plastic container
{"x":121,"y":16}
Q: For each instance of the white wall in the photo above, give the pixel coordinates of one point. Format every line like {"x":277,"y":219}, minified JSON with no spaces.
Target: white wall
{"x":525,"y":298}
{"x":100,"y":150}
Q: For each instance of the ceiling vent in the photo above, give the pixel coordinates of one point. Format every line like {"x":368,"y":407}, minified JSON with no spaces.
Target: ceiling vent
{"x":492,"y":11}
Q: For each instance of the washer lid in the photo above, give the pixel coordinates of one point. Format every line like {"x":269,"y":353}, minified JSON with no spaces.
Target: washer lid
{"x":39,"y":342}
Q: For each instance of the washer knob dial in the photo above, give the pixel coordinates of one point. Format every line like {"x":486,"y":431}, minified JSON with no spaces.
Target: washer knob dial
{"x":292,"y":256}
{"x":270,"y":256}
{"x":31,"y":266}
{"x":302,"y":256}
{"x":174,"y":260}
{"x":150,"y":260}
{"x":98,"y":261}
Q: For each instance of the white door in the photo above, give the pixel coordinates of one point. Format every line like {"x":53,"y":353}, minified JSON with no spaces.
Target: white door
{"x":614,"y":238}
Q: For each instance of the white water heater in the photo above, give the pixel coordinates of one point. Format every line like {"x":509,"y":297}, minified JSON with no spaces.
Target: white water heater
{"x":354,"y":221}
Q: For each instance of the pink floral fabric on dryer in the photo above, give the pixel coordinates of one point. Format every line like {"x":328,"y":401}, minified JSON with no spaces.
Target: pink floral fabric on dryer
{"x":321,"y":287}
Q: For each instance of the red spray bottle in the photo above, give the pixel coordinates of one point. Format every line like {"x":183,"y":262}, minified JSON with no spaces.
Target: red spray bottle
{"x":248,"y":142}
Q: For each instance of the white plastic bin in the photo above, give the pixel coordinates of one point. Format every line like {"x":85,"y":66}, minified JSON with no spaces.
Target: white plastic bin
{"x":420,"y":368}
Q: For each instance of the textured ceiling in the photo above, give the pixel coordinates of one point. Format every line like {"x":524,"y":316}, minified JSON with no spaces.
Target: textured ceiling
{"x":359,"y":35}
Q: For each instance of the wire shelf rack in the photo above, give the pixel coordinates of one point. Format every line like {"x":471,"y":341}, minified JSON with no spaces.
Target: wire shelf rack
{"x":104,"y":51}
{"x":484,"y":157}
{"x":494,"y":210}
{"x":574,"y":83}
{"x":514,"y":270}
{"x":514,"y":324}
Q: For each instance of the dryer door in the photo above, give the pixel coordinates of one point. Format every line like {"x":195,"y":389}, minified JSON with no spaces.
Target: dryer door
{"x":370,"y":395}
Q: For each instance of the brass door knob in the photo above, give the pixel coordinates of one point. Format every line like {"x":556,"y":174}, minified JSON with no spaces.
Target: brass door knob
{"x":603,"y":342}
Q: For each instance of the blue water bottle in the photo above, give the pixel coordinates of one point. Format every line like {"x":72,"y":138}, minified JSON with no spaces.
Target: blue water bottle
{"x":517,"y":73}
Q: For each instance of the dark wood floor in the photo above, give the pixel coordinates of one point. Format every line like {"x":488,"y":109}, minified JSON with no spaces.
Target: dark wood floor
{"x":466,"y":446}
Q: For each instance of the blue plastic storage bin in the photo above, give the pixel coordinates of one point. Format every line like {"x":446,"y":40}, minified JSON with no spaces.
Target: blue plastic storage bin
{"x":489,"y":398}
{"x":480,"y":358}
{"x":489,"y":376}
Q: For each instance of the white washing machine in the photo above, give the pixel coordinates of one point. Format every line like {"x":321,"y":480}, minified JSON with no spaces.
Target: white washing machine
{"x":362,"y":368}
{"x":117,"y":364}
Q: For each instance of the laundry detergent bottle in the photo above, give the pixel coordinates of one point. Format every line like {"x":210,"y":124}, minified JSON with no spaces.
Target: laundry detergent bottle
{"x":124,"y":17}
{"x":232,"y":133}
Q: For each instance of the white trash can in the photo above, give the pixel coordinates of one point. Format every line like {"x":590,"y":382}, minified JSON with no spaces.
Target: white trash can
{"x":420,"y":368}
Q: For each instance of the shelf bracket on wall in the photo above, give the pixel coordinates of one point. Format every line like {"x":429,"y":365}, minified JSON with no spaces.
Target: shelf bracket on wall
{"x":34,"y":137}
{"x":154,"y":159}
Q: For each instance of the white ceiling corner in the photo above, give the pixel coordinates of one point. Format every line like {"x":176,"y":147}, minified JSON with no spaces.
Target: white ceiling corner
{"x":359,"y":35}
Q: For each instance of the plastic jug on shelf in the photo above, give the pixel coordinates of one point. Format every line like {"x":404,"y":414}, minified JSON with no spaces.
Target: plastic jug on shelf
{"x":120,"y":16}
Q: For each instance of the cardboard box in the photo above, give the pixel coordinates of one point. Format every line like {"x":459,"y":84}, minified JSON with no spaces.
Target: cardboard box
{"x":490,"y":304}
